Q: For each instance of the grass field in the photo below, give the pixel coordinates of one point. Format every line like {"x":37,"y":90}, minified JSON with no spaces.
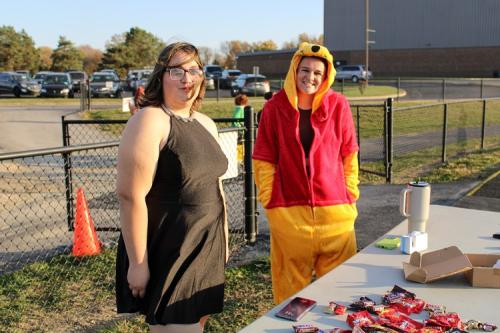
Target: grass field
{"x":64,"y":293}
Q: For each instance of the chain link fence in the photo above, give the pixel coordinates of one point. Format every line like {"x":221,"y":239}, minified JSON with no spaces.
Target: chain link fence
{"x":43,"y":287}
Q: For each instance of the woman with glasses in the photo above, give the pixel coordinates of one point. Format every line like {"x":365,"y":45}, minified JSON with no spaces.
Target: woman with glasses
{"x":173,"y":243}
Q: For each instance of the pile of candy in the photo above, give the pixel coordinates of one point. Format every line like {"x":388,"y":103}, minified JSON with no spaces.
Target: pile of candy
{"x":393,"y":316}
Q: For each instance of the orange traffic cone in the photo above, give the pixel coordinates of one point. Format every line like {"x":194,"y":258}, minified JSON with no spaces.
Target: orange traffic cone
{"x":85,"y":240}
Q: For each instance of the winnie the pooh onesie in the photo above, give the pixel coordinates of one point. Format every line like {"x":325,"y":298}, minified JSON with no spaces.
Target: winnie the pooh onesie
{"x":309,"y":200}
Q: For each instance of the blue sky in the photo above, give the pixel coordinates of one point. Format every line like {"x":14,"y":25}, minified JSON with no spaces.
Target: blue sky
{"x":203,"y":23}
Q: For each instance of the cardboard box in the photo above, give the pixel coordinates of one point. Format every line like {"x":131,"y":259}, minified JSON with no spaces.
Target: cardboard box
{"x":483,"y":274}
{"x":434,"y":265}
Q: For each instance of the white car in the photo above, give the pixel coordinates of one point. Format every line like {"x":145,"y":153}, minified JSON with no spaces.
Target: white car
{"x":352,"y":73}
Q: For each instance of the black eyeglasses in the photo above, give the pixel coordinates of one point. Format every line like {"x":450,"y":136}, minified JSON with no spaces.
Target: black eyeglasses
{"x":177,"y":73}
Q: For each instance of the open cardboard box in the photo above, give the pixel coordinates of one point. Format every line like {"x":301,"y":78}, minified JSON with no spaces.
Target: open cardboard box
{"x":483,"y":274}
{"x":434,"y":265}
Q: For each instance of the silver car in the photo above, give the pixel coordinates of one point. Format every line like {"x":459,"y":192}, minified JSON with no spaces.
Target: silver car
{"x":250,"y":84}
{"x":353,"y":73}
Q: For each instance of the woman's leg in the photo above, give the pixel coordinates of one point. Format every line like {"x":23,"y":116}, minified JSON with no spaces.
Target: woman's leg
{"x":178,"y":328}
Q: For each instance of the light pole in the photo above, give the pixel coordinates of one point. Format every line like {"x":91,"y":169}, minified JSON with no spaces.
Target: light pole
{"x":367,"y":36}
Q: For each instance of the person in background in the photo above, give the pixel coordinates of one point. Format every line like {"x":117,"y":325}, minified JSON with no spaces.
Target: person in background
{"x":135,"y":103}
{"x":306,"y":171}
{"x":173,"y":243}
{"x":240,"y":101}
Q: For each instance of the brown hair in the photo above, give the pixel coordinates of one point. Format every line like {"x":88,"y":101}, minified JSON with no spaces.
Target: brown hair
{"x":153,"y":94}
{"x":241,"y":99}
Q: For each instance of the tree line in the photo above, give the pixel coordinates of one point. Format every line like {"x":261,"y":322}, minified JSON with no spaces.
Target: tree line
{"x":135,"y":48}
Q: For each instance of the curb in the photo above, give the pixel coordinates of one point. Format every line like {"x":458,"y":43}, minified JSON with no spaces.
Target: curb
{"x":476,"y":188}
{"x":376,"y":98}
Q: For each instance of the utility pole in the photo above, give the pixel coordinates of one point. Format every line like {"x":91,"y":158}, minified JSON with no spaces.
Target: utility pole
{"x":367,"y":35}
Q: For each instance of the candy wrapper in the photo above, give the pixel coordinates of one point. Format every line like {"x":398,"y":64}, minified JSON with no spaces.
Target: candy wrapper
{"x":361,"y":319}
{"x":399,"y":322}
{"x":431,"y":308}
{"x":445,"y":320}
{"x":477,"y":325}
{"x":335,"y":308}
{"x":408,"y":305}
{"x":362,"y":304}
{"x":397,"y":293}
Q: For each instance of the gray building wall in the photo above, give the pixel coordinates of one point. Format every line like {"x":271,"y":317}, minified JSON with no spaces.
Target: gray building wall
{"x":412,"y":24}
{"x":417,"y":37}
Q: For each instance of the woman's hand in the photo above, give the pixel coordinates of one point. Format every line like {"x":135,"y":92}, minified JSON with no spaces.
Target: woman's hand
{"x":138,"y":278}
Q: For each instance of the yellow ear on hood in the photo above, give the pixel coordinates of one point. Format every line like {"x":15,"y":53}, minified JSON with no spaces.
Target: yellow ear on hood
{"x":309,"y":50}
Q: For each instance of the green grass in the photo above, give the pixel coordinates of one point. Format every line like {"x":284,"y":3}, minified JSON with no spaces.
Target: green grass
{"x":42,"y":296}
{"x":465,"y":162}
{"x":42,"y":293}
{"x":66,"y":293}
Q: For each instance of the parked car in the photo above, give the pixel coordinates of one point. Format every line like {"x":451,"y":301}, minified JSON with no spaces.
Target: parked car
{"x":227,"y":77}
{"x":105,"y":84}
{"x":250,"y":84}
{"x":40,"y":76}
{"x":78,"y":77}
{"x":26,"y":73}
{"x":213,"y":72}
{"x":18,"y":84}
{"x":353,"y":73}
{"x":137,"y":77}
{"x":57,"y":85}
{"x":209,"y":83}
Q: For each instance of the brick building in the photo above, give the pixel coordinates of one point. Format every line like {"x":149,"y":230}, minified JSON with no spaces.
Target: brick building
{"x":436,"y":38}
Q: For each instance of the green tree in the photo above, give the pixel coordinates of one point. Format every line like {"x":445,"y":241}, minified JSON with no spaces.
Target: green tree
{"x":66,"y":56}
{"x":17,"y":50}
{"x":136,"y":48}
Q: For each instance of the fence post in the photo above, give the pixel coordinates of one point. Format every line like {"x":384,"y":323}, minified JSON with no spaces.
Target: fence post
{"x":68,"y":179}
{"x":218,"y":88}
{"x":89,"y":93}
{"x":359,"y":136}
{"x":399,"y":87}
{"x":445,"y":132}
{"x":250,"y":198}
{"x":444,"y":90}
{"x":483,"y":125}
{"x":388,"y":139}
{"x":482,"y":87}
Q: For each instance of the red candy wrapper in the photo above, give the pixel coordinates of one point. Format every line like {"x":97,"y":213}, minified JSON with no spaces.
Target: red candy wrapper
{"x":408,"y":305}
{"x":399,"y":322}
{"x":445,"y":320}
{"x":335,"y":308}
{"x":361,"y":318}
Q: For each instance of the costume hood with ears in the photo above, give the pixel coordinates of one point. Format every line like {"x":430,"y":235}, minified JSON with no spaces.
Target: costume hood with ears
{"x":309,"y":50}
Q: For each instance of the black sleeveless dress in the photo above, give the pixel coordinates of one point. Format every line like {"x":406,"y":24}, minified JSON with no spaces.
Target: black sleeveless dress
{"x":186,"y":244}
